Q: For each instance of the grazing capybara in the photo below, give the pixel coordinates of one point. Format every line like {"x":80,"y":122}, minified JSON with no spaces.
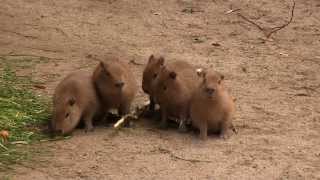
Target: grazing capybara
{"x":150,"y":73}
{"x":212,"y":108}
{"x":174,"y":87}
{"x":115,"y":85}
{"x":74,"y":99}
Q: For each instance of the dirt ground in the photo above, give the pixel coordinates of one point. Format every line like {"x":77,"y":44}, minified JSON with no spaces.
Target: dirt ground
{"x":276,"y":83}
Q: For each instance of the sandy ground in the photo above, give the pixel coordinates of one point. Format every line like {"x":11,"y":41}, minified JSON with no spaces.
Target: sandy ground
{"x":276,"y":83}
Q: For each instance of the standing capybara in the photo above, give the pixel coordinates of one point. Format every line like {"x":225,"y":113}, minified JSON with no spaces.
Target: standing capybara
{"x":211,"y":106}
{"x":174,"y":87}
{"x":150,"y":73}
{"x":74,"y":99}
{"x":115,"y":85}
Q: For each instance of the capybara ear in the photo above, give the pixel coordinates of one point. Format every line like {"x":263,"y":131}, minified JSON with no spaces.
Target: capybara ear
{"x":221,"y":77}
{"x":161,"y":61}
{"x":173,"y":75}
{"x":151,"y":58}
{"x":71,"y":101}
{"x":102,"y":65}
{"x":201,"y":72}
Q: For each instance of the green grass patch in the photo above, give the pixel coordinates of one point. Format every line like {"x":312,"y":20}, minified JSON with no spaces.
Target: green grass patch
{"x":21,"y":114}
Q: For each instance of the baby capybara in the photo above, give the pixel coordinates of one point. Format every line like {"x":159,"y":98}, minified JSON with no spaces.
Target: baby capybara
{"x":212,"y":108}
{"x":174,"y":87}
{"x":150,"y":73}
{"x":74,"y":99}
{"x":115,"y":85}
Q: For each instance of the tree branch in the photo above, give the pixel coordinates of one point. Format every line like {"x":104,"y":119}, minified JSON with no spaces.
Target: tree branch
{"x":269,"y":31}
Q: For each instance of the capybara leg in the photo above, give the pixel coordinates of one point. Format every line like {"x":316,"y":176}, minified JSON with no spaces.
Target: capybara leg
{"x":88,"y":123}
{"x":152,"y":104}
{"x":225,"y":133}
{"x":151,"y":108}
{"x":124,"y":109}
{"x":203,"y":131}
{"x":164,"y":116}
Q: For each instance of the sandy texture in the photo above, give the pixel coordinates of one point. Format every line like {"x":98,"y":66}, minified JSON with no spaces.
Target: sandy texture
{"x":276,"y":84}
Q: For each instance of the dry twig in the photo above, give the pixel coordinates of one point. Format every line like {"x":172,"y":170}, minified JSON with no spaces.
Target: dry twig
{"x":166,"y":151}
{"x":132,"y":61}
{"x":269,"y":31}
{"x":4,"y":147}
{"x":232,"y":11}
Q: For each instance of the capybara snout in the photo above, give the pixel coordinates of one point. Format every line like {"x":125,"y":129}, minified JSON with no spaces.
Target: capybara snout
{"x":211,"y":82}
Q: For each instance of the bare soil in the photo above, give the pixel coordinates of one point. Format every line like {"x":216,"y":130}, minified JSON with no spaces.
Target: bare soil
{"x":276,"y":83}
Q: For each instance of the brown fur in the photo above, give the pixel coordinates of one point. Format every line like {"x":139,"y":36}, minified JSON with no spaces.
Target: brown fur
{"x":174,"y":88}
{"x":212,"y":108}
{"x":150,"y":73}
{"x":74,"y":99}
{"x":115,"y":85}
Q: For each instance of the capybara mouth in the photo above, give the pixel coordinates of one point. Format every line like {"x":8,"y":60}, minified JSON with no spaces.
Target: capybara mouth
{"x":210,"y":96}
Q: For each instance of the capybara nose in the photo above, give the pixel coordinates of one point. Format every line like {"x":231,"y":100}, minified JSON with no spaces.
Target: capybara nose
{"x":120,"y":84}
{"x":210,"y":91}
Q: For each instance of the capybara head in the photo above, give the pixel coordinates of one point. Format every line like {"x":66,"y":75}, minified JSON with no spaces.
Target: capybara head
{"x":109,"y":78}
{"x":65,"y":116}
{"x":166,"y":82}
{"x":151,"y":72}
{"x":211,"y":83}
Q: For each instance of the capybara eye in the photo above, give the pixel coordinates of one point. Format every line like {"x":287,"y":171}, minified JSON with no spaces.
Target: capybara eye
{"x":164,"y":88}
{"x":119,"y":84}
{"x":155,"y":75}
{"x":107,"y":73}
{"x":67,"y":115}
